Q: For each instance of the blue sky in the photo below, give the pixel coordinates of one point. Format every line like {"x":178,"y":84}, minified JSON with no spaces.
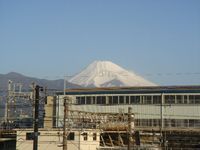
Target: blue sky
{"x":157,"y":39}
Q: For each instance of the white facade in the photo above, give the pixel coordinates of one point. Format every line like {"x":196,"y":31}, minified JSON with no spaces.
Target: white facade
{"x":53,"y":139}
{"x":47,"y":140}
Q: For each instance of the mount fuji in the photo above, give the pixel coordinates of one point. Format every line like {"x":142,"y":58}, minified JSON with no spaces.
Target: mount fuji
{"x":108,"y":74}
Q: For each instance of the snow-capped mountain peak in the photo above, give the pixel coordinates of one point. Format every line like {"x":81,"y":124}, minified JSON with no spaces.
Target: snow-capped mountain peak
{"x":108,"y":74}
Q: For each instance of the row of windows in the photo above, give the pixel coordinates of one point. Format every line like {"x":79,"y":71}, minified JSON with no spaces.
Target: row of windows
{"x":71,"y":136}
{"x":182,"y":99}
{"x":147,"y":99}
{"x":185,"y":123}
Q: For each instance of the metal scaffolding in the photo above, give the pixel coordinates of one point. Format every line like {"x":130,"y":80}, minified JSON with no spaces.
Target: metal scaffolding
{"x":114,"y":127}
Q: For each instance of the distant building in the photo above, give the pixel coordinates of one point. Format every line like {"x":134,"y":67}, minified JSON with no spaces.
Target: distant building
{"x":53,"y":139}
{"x":154,"y":107}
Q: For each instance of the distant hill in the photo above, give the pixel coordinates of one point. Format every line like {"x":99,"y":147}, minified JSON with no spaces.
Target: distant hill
{"x":52,"y":86}
{"x":27,"y":81}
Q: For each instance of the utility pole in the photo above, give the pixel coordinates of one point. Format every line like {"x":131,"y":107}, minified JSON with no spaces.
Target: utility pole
{"x":36,"y":118}
{"x":64,"y":124}
{"x":33,"y":98}
{"x":64,"y":119}
{"x":64,"y":86}
{"x":7,"y":107}
{"x":161,"y":119}
{"x":129,"y":126}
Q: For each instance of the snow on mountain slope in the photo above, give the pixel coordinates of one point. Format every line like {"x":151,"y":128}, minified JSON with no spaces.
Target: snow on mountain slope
{"x":108,"y":74}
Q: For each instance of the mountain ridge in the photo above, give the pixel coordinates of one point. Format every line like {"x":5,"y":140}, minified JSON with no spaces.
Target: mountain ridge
{"x":27,"y":81}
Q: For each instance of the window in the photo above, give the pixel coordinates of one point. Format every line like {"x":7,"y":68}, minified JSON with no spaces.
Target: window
{"x":132,"y":99}
{"x":170,"y":99}
{"x":179,"y":123}
{"x":127,"y":99}
{"x":156,"y":122}
{"x":121,"y":99}
{"x":191,"y":99}
{"x":197,"y":123}
{"x":93,"y":100}
{"x":135,"y":99}
{"x":194,"y":99}
{"x":101,"y":100}
{"x":191,"y":123}
{"x":71,"y":136}
{"x":186,"y":123}
{"x":185,"y":99}
{"x":156,"y":99}
{"x":197,"y":99}
{"x":78,"y":100}
{"x":173,"y":123}
{"x":29,"y":136}
{"x":85,"y":136}
{"x":147,"y":99}
{"x":167,"y":123}
{"x":94,"y":136}
{"x":179,"y":99}
{"x":115,"y":99}
{"x":110,"y":100}
{"x":88,"y":100}
{"x":83,"y":100}
{"x":98,"y":99}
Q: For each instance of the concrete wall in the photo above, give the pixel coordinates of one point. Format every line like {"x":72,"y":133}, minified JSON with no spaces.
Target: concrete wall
{"x":52,"y":140}
{"x":48,"y":140}
{"x":48,"y":119}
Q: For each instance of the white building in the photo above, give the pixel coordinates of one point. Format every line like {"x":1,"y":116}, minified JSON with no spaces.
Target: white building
{"x":176,"y":106}
{"x":52,"y":139}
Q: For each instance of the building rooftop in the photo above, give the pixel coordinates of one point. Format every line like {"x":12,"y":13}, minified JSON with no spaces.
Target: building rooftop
{"x":134,"y":90}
